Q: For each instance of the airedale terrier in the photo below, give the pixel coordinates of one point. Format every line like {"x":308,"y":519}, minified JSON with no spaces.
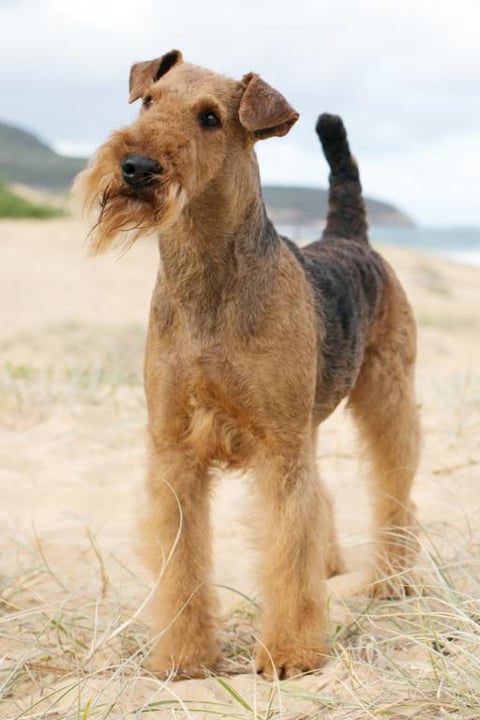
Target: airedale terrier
{"x":252,"y":342}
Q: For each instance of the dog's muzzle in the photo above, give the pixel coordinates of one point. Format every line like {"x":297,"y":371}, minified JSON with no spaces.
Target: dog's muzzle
{"x":139,"y":171}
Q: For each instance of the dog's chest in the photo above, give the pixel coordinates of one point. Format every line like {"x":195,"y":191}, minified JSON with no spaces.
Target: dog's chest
{"x":219,"y":421}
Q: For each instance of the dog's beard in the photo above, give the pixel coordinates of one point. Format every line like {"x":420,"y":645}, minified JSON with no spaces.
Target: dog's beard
{"x":122,"y":213}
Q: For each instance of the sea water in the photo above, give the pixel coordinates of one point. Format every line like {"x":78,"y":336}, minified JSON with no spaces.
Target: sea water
{"x":457,"y":244}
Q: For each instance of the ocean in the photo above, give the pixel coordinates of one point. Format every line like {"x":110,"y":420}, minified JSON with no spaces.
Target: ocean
{"x":460,"y":245}
{"x":457,"y":244}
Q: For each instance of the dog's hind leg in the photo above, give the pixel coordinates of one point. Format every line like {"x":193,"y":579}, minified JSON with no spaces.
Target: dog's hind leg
{"x":384,"y":407}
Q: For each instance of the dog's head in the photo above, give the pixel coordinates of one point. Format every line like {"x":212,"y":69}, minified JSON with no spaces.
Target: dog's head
{"x":194,"y":134}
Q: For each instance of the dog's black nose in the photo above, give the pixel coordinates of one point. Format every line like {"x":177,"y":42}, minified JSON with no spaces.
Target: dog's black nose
{"x":138,"y":170}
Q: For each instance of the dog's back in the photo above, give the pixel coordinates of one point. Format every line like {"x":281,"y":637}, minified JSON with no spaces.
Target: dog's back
{"x":346,"y":275}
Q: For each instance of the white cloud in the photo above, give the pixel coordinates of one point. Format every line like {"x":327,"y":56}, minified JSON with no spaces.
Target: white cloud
{"x":437,"y":182}
{"x":404,"y":76}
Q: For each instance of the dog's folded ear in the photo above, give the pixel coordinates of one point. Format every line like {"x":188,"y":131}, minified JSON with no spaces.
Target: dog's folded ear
{"x":263,"y":110}
{"x":143,"y":74}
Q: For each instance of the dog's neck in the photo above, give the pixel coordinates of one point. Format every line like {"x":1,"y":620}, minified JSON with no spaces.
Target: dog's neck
{"x":218,"y":242}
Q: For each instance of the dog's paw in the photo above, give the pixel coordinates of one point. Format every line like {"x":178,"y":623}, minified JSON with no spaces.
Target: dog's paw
{"x":278,"y":663}
{"x":169,"y":670}
{"x":182,"y":661}
{"x":393,"y":587}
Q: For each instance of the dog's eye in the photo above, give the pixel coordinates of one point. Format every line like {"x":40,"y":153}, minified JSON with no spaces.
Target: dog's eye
{"x":209,"y":120}
{"x":147,"y":102}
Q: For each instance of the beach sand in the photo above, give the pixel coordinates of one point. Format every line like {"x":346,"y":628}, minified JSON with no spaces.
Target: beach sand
{"x":72,"y":428}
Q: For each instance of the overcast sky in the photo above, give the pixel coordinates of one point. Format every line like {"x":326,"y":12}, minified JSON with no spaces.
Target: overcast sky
{"x":404,"y":74}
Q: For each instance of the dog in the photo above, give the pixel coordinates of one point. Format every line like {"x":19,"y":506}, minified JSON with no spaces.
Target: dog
{"x":252,"y":343}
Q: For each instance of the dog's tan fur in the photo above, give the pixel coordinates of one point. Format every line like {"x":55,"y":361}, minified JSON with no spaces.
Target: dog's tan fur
{"x":240,"y":368}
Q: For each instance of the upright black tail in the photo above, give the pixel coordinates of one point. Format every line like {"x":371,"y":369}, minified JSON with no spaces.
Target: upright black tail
{"x":346,"y":210}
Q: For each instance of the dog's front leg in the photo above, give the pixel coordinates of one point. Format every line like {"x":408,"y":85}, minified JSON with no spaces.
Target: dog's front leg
{"x":294,"y":542}
{"x":177,"y":547}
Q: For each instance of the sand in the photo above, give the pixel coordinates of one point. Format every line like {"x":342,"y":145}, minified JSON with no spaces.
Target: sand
{"x":72,"y":423}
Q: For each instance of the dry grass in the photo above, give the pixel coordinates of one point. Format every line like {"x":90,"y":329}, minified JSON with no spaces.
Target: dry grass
{"x":76,"y":650}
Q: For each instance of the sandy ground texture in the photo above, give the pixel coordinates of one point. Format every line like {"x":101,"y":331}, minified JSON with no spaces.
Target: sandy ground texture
{"x":72,"y":420}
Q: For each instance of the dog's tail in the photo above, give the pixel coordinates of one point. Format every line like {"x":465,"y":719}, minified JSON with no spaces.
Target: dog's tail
{"x":346,"y":210}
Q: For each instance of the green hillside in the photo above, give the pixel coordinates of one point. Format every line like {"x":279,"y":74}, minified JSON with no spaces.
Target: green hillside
{"x":14,"y":206}
{"x":27,"y":160}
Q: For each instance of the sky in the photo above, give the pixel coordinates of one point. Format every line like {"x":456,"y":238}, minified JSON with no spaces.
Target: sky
{"x":403,"y":74}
